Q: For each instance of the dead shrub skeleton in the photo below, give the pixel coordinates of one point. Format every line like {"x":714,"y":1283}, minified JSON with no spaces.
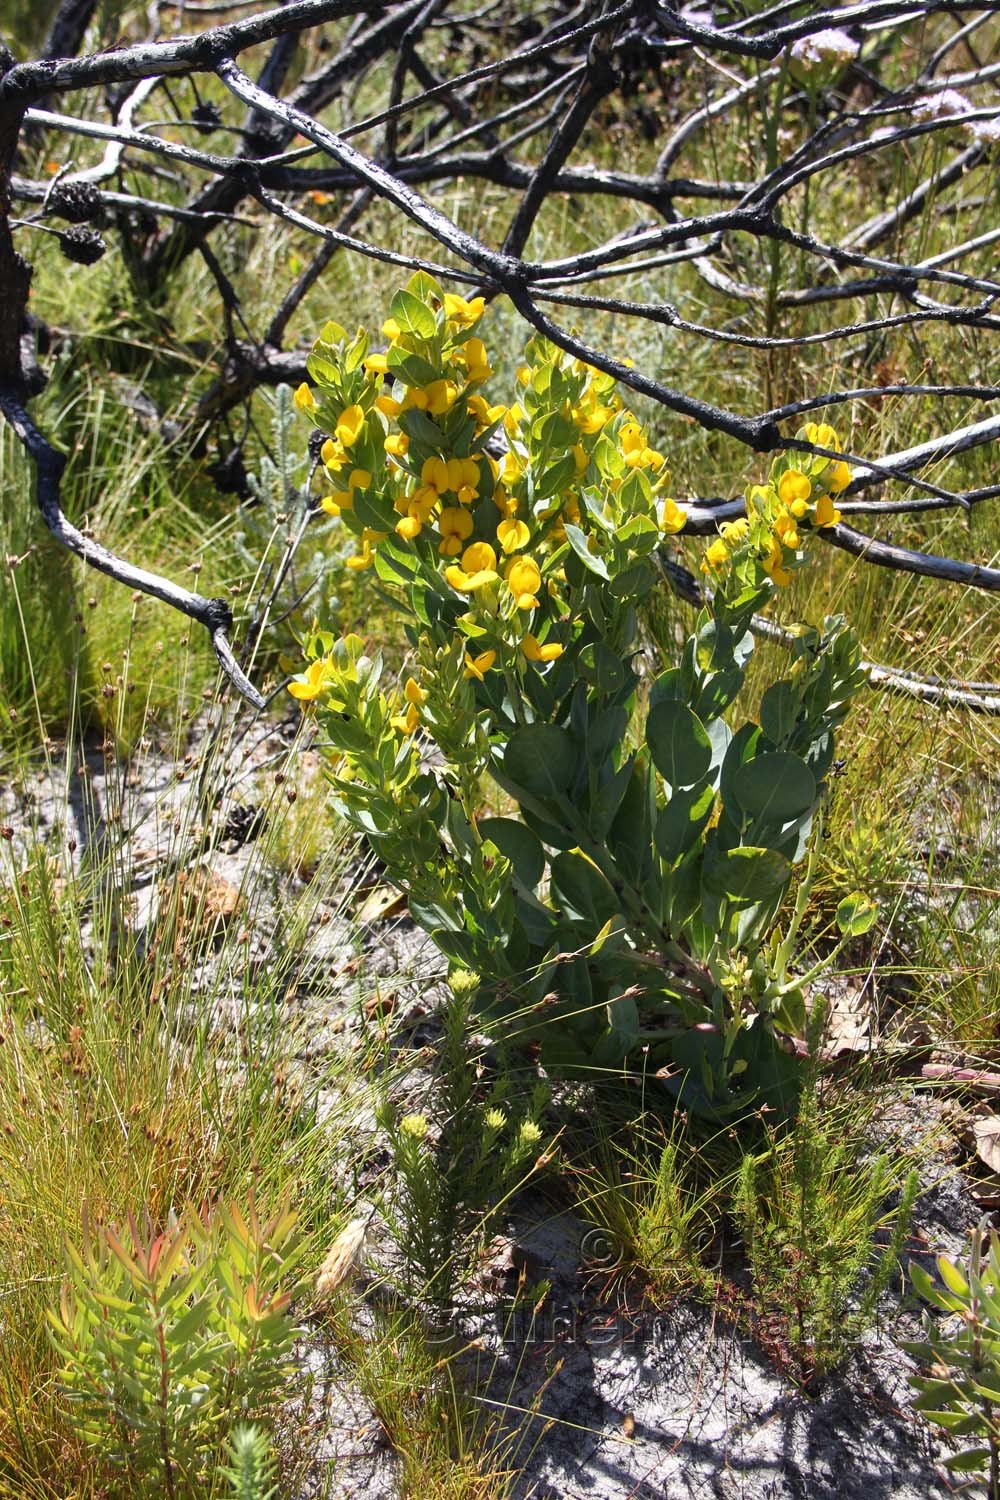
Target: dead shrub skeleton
{"x":551,"y":77}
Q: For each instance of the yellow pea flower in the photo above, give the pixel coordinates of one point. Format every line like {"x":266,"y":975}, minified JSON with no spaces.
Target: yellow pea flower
{"x":823,"y":435}
{"x":513,"y":419}
{"x":590,"y":422}
{"x":839,"y":477}
{"x":391,"y":329}
{"x":409,"y":527}
{"x":827,"y":513}
{"x":793,"y":486}
{"x":463,"y":478}
{"x":406,"y":723}
{"x":463,"y":313}
{"x":512,"y":467}
{"x":512,"y":535}
{"x":478,"y":666}
{"x":349,"y":425}
{"x":397,"y":445}
{"x":478,"y":569}
{"x":672,"y":518}
{"x":772,"y":564}
{"x":485,"y":415}
{"x":454,"y":468}
{"x":334,"y":503}
{"x":376,"y":364}
{"x":304,"y":399}
{"x":479,"y":557}
{"x":476,"y":360}
{"x":313,"y":681}
{"x":421,"y":502}
{"x":455,"y":526}
{"x":551,"y":651}
{"x":716,"y":557}
{"x":333,"y":455}
{"x":435,"y":473}
{"x":440,"y":396}
{"x":366,"y":556}
{"x":734,"y":532}
{"x":631,"y":437}
{"x":413,"y":692}
{"x":524,"y":580}
{"x":388,"y":406}
{"x":785,"y":528}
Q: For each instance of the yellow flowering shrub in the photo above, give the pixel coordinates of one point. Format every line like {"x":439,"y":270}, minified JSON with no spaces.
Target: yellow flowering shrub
{"x":633,"y":896}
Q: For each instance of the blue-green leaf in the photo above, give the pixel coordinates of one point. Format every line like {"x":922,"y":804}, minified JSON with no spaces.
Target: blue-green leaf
{"x":774,"y":788}
{"x":518,"y":844}
{"x":542,"y":758}
{"x":746,"y":875}
{"x":591,"y":561}
{"x":678,"y":743}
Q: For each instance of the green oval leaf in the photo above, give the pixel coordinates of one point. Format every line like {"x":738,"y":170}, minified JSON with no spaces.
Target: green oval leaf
{"x":580,"y":890}
{"x":681,"y":822}
{"x":746,"y":875}
{"x":969,"y":1462}
{"x":518,"y":844}
{"x":774,"y":788}
{"x":780,"y":708}
{"x":413,"y":316}
{"x":678,"y":743}
{"x":600,"y":666}
{"x":542,"y":758}
{"x":591,"y":560}
{"x":855,"y":914}
{"x":412,"y":369}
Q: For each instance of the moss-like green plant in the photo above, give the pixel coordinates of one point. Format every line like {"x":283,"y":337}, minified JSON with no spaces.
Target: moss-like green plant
{"x":168,"y":1339}
{"x":459,"y":1163}
{"x":657,"y":1204}
{"x":251,"y":1467}
{"x":809,"y":1209}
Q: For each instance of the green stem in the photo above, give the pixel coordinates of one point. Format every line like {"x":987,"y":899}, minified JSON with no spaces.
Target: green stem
{"x":783,"y":957}
{"x":168,"y":1468}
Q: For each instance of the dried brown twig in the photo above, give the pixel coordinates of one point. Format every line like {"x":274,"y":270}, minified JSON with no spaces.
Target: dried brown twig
{"x":518,"y":122}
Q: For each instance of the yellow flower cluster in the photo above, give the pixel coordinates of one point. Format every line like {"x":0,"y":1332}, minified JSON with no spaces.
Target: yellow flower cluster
{"x":793,"y":501}
{"x":407,"y":449}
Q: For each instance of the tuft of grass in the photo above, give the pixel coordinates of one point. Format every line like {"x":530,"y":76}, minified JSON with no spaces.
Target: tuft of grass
{"x":656,"y":1196}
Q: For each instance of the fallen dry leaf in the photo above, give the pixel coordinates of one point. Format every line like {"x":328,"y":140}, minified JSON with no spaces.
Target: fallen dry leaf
{"x":848,"y":1023}
{"x":380,"y":904}
{"x":986,"y":1132}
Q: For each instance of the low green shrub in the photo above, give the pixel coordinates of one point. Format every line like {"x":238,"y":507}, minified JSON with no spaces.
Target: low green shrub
{"x":169,"y":1340}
